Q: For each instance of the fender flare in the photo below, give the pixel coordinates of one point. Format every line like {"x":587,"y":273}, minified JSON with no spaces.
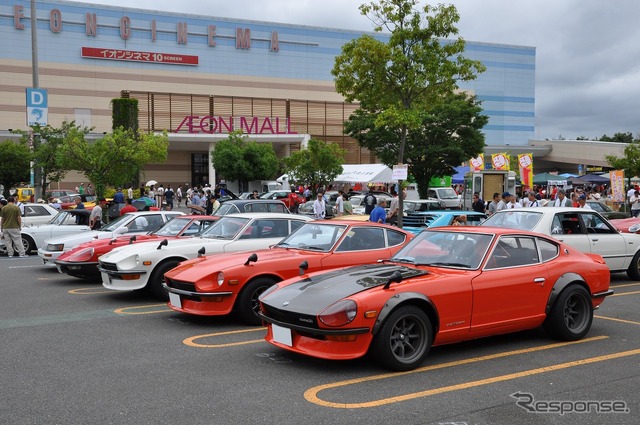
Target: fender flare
{"x":562,"y":282}
{"x":415,"y":298}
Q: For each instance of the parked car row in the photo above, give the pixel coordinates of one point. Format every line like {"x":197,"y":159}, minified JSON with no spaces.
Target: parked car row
{"x":339,"y":289}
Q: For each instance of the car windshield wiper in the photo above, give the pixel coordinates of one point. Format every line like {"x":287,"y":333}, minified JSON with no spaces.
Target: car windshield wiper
{"x":446,"y":264}
{"x":403,"y":260}
{"x":313,"y":248}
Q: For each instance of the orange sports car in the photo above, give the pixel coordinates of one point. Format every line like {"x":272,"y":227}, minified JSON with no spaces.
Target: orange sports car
{"x":217,"y":284}
{"x":447,"y":285}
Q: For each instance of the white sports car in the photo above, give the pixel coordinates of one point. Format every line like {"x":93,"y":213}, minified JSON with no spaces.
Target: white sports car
{"x":143,"y":265}
{"x":38,"y":214}
{"x":65,"y":223}
{"x":138,"y":222}
{"x":581,"y":228}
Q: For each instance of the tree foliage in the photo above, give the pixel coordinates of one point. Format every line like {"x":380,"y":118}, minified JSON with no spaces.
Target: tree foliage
{"x":237,"y":158}
{"x":618,"y":138}
{"x":113,"y":159}
{"x":317,"y":165}
{"x":15,"y":159}
{"x":418,"y":67}
{"x":450,"y":134}
{"x":630,"y":162}
{"x":46,"y":152}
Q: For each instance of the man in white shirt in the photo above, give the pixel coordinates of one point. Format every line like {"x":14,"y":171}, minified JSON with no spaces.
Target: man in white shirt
{"x":582,"y":202}
{"x":339,"y":208}
{"x":319,"y":207}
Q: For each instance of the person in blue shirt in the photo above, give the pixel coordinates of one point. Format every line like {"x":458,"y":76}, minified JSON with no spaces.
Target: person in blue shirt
{"x":118,"y":197}
{"x":379,"y":215}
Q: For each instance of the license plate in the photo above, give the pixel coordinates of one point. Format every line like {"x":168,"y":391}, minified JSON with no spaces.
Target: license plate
{"x":174,"y":299}
{"x":282,"y":335}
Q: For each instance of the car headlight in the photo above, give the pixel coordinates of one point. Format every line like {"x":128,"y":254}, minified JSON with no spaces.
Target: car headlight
{"x":220,"y":278}
{"x":82,"y":255}
{"x":634,"y":228}
{"x":54,"y":247}
{"x":339,"y":314}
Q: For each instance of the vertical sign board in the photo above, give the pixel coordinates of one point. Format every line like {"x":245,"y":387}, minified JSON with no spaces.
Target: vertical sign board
{"x":37,"y":107}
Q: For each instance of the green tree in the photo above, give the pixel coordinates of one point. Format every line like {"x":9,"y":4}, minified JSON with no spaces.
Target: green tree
{"x":317,"y":165}
{"x":417,"y":68}
{"x":618,"y":138}
{"x":15,"y":159}
{"x":237,"y":158}
{"x":450,"y":134}
{"x":113,"y":159}
{"x":46,"y":154}
{"x":630,"y":162}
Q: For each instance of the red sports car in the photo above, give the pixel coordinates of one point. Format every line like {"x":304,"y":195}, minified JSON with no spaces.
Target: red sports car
{"x":82,"y":261}
{"x":627,"y":225}
{"x":216,"y":284}
{"x":447,"y":285}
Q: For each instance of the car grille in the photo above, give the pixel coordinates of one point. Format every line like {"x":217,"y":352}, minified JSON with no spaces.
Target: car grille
{"x":109,"y":266}
{"x":290,"y":317}
{"x":177,"y":284}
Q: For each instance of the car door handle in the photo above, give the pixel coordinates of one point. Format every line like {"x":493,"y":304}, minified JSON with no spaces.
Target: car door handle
{"x":595,"y":239}
{"x":539,"y":281}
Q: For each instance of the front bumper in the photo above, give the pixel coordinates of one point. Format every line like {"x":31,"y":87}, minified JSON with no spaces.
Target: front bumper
{"x":76,"y":269}
{"x":128,"y":280}
{"x":200,"y":303}
{"x":49,"y":257}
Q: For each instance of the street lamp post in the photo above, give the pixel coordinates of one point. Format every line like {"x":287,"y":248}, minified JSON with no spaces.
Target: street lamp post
{"x":37,"y":170}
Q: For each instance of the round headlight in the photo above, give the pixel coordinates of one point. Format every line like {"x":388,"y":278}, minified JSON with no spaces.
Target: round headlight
{"x":339,"y":314}
{"x":634,"y":228}
{"x":220,"y":278}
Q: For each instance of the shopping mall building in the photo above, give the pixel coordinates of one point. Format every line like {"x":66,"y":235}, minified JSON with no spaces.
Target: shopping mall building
{"x":199,"y":77}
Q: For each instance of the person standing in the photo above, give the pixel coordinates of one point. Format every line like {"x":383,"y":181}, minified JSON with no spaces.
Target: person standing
{"x":168,"y":196}
{"x":635,"y":203}
{"x":130,"y":192}
{"x":582,"y":202}
{"x":79,"y":206}
{"x":81,"y":189}
{"x":370,"y":202}
{"x":477,"y":204}
{"x":493,"y":205}
{"x":10,"y":225}
{"x":561,"y":200}
{"x":89,"y":189}
{"x":319,"y":207}
{"x":378,"y":214}
{"x":118,"y":197}
{"x":179,"y":195}
{"x":340,"y":204}
{"x":95,"y":219}
{"x":392,"y":215}
{"x":294,"y":201}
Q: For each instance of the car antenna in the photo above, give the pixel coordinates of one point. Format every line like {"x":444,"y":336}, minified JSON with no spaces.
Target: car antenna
{"x":201,"y":252}
{"x":395,"y":277}
{"x":163,"y":243}
{"x":303,"y":267}
{"x":252,"y":259}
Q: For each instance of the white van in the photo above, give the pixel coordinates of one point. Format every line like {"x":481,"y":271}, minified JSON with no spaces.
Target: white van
{"x":447,"y":195}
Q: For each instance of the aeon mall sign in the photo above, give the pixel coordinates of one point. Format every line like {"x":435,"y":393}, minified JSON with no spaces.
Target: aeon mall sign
{"x":223,"y":125}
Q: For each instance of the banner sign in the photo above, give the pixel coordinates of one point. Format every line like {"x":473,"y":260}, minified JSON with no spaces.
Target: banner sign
{"x":525,"y":163}
{"x":500,"y":161}
{"x":135,"y":56}
{"x":477,"y":163}
{"x":617,"y":185}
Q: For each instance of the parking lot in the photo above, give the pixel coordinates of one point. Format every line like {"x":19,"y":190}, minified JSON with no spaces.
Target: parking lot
{"x":75,"y":353}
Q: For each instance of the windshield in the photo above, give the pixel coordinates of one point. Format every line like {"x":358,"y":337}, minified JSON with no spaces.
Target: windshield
{"x":447,"y":193}
{"x":445,"y":249}
{"x":514,"y":219}
{"x":172,"y":227}
{"x":116,"y":223}
{"x":225,"y":228}
{"x":60,"y":218}
{"x":226,"y":208}
{"x":321,"y":237}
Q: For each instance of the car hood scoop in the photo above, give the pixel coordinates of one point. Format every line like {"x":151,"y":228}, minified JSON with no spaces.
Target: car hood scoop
{"x":313,"y":294}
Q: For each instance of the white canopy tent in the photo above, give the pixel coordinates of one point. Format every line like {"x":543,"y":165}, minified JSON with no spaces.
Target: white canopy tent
{"x":365,"y":173}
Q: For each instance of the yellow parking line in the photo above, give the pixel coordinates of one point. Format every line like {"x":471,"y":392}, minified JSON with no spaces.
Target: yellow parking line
{"x":615,"y":319}
{"x":625,"y":285}
{"x":89,"y":291}
{"x":125,"y":310}
{"x":190,"y":341}
{"x":620,"y":294}
{"x":311,"y":394}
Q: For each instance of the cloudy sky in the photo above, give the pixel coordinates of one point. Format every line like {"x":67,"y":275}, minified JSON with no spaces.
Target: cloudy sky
{"x":587,"y":51}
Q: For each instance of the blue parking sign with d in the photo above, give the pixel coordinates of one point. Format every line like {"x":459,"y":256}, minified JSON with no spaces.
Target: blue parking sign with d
{"x":37,"y":107}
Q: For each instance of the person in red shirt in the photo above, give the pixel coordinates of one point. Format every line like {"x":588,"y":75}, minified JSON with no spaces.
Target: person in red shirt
{"x":128,"y":208}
